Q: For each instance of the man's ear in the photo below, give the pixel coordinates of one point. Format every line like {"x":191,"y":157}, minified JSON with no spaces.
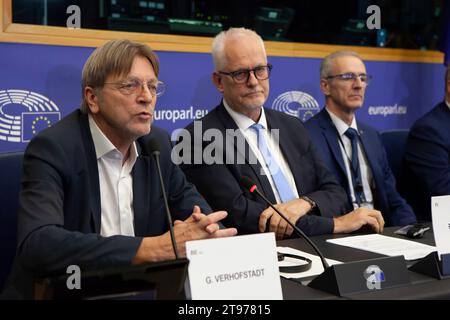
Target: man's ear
{"x":217,"y":80}
{"x":448,"y":90}
{"x":325,"y":87}
{"x":91,"y":97}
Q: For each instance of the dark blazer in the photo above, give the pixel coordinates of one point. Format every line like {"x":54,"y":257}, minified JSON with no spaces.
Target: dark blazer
{"x":427,"y":159}
{"x":395,"y":210}
{"x":60,"y":211}
{"x":219,"y":183}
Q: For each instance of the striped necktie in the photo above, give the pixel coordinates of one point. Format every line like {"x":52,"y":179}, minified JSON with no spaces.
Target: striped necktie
{"x":280,"y":181}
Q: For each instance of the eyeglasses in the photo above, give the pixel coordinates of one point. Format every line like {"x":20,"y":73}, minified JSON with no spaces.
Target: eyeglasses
{"x":135,"y":87}
{"x":350,"y":76}
{"x":242,"y":75}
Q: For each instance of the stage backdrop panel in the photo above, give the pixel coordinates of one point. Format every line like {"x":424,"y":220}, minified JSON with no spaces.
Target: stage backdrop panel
{"x":40,"y":84}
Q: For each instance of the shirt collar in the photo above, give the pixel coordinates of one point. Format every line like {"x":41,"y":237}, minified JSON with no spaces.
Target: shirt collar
{"x":447,"y":103}
{"x":102,"y":144}
{"x":243,"y":122}
{"x":340,"y":125}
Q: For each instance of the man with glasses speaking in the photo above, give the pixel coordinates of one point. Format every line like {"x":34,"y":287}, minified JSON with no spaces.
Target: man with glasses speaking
{"x":352,"y":150}
{"x":242,"y":138}
{"x":90,"y":194}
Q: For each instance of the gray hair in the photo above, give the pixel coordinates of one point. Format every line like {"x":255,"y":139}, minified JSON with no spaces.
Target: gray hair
{"x":113,"y":58}
{"x":326,"y":65}
{"x":218,"y":45}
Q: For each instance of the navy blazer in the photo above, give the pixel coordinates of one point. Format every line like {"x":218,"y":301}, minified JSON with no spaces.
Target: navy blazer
{"x":219,"y":183}
{"x":395,"y":210}
{"x":427,"y":159}
{"x":60,"y":211}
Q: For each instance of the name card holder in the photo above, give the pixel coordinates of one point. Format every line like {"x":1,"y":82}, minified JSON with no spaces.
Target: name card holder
{"x":362,"y":276}
{"x":431,"y":266}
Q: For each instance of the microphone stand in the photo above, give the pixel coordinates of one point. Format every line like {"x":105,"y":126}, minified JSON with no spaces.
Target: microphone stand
{"x":296,"y":229}
{"x":154,"y":147}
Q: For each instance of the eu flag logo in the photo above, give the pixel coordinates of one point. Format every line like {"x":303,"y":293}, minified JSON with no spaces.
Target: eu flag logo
{"x":34,"y":122}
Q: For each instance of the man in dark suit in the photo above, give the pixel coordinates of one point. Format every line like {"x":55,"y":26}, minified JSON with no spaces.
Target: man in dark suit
{"x":352,"y":150}
{"x":427,"y":156}
{"x":90,"y":193}
{"x":240,"y":138}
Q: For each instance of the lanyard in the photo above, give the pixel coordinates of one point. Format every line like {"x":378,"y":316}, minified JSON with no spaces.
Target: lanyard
{"x":358,"y":189}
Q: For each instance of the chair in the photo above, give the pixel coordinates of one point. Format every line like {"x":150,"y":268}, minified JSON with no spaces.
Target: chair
{"x":394,"y":142}
{"x":10,"y":173}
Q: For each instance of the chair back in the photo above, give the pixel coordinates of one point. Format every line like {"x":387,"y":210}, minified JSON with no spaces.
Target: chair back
{"x":394,"y":142}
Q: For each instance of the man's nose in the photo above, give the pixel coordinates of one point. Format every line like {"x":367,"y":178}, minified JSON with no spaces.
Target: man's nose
{"x":145,"y":95}
{"x":358,"y":83}
{"x":252,"y":80}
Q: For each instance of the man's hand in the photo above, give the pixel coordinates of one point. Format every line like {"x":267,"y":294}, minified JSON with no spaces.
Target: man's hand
{"x":293,"y":210}
{"x":197,"y":215}
{"x":354,"y":220}
{"x":197,"y":226}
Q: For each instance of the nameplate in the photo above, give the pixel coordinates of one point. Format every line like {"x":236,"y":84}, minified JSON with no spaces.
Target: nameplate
{"x":242,"y":267}
{"x":440,"y":207}
{"x":437,"y":264}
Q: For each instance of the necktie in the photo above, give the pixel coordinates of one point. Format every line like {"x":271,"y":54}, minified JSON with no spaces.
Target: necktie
{"x":352,"y":134}
{"x":280,"y":181}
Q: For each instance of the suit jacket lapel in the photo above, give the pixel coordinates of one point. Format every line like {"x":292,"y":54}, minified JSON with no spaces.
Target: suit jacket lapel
{"x":92,"y":168}
{"x":228,"y":123}
{"x":287,"y":147}
{"x":330,"y":134}
{"x":370,"y":154}
{"x":141,"y":193}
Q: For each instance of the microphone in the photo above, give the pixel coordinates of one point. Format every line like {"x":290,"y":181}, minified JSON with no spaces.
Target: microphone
{"x":153,"y":147}
{"x":249,"y":185}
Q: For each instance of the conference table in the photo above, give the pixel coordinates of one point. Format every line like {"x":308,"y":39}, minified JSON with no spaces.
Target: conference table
{"x":421,"y":286}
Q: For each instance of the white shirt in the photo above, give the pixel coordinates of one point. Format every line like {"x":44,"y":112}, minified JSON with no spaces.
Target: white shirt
{"x":116,"y":185}
{"x":447,"y":103}
{"x":243,"y":122}
{"x":366,"y":172}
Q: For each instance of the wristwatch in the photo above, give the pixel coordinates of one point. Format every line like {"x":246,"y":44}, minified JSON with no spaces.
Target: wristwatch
{"x":310,"y":201}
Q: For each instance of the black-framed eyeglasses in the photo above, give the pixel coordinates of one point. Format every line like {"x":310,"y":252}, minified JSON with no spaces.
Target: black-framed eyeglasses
{"x":135,"y":86}
{"x":242,"y":75}
{"x":350,"y":76}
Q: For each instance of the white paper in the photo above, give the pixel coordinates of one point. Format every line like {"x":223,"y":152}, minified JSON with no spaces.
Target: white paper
{"x":316,"y":263}
{"x":440,"y":215}
{"x":242,"y":267}
{"x":386,"y":245}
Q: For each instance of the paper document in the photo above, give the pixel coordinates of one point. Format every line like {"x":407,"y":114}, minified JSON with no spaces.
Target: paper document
{"x":385,"y":245}
{"x":316,"y":265}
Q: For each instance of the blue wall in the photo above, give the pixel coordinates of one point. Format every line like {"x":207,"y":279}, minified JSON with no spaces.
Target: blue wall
{"x":41,"y":84}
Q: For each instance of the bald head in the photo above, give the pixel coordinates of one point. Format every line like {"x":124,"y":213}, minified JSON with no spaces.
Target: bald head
{"x":326,"y":67}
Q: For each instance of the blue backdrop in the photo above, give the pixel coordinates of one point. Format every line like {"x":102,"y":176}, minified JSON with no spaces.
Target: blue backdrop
{"x":41,"y":84}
